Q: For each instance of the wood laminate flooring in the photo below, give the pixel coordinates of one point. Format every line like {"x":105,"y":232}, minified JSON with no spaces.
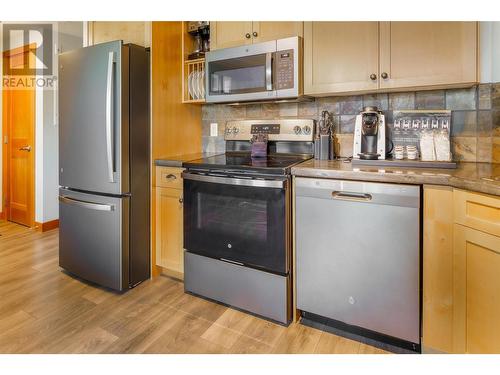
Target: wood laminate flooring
{"x":44,"y":310}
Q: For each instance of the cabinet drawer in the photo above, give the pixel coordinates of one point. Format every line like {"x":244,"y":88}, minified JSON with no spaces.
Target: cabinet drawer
{"x":477,"y":211}
{"x":169,"y":177}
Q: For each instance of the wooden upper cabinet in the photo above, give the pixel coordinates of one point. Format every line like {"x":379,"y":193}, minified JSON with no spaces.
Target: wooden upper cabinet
{"x":340,"y":57}
{"x":265,"y":31}
{"x":418,"y":54}
{"x":226,"y":34}
{"x":230,"y":34}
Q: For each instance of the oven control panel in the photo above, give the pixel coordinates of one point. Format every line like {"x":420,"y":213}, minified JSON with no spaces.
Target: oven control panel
{"x":277,"y":130}
{"x":265,"y":129}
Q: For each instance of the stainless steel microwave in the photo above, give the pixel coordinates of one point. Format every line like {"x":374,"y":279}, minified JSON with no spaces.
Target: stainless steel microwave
{"x":259,"y":72}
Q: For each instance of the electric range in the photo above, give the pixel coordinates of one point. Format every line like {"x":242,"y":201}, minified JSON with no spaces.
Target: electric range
{"x":237,"y":218}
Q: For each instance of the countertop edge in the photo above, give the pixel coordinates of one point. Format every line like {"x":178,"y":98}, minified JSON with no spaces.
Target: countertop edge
{"x":484,"y":187}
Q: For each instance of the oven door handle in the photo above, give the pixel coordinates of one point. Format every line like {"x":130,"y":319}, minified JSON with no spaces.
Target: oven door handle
{"x":277,"y":184}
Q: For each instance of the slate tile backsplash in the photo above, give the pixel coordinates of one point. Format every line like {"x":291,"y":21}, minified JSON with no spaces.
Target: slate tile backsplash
{"x":475,"y":117}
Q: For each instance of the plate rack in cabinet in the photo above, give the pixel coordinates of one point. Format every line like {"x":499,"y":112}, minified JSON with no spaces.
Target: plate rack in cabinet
{"x":193,"y":70}
{"x":194,"y":81}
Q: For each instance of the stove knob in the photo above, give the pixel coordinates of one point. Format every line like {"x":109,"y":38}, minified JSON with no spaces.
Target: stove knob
{"x":297,"y":129}
{"x":236,"y":130}
{"x":228,"y":131}
{"x":306,"y":130}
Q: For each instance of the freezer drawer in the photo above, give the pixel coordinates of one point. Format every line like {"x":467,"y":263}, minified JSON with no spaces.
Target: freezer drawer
{"x":358,"y":254}
{"x":93,"y":237}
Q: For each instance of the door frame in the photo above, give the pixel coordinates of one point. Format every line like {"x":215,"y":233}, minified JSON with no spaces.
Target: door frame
{"x":5,"y":147}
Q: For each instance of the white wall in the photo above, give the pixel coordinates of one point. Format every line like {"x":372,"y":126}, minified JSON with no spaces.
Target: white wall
{"x":67,"y":36}
{"x":490,"y":51}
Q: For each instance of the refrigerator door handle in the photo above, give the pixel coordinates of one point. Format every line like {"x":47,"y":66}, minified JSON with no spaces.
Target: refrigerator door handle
{"x":85,"y":204}
{"x":109,"y":118}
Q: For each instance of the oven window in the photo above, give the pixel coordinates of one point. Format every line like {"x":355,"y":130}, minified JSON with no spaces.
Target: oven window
{"x":237,"y":223}
{"x":238,"y":76}
{"x":216,"y":210}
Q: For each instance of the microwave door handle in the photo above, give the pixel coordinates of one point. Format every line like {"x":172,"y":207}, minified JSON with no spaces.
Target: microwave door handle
{"x":109,"y":118}
{"x":269,"y":71}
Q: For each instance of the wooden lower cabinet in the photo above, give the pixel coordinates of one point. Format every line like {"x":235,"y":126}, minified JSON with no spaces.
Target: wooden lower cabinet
{"x":476,"y":291}
{"x":437,"y":312}
{"x":169,"y":231}
{"x":461,"y":272}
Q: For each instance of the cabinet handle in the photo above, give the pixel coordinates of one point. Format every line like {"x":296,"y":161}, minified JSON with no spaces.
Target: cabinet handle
{"x":170,"y":176}
{"x":255,"y":34}
{"x":373,"y":77}
{"x":247,"y":35}
{"x":181,"y":201}
{"x":384,"y":75}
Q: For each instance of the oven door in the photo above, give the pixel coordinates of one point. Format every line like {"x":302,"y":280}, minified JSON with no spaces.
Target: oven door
{"x":240,"y":73}
{"x":239,"y":220}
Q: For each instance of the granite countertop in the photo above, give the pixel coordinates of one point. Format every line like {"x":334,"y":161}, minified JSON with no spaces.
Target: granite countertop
{"x":177,"y":160}
{"x":479,"y":177}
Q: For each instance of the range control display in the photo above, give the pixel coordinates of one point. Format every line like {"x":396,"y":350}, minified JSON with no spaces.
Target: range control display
{"x":265,"y":129}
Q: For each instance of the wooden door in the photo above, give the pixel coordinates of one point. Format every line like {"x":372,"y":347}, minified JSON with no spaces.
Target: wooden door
{"x":230,"y":34}
{"x":415,"y":54}
{"x":340,"y":57}
{"x":169,"y":231}
{"x":18,"y":116}
{"x":476,"y":291}
{"x":265,"y":31}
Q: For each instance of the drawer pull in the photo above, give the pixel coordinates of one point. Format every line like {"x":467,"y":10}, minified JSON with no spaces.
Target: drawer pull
{"x":348,"y":196}
{"x":171,"y":177}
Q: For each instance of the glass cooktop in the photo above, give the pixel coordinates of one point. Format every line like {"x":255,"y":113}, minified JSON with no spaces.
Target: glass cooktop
{"x":272,"y":164}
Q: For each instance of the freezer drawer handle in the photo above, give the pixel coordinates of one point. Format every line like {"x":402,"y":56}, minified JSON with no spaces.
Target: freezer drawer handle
{"x":348,"y":196}
{"x":89,"y":205}
{"x":109,"y":118}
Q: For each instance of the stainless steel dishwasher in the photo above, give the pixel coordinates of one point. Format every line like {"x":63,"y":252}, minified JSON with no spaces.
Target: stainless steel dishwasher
{"x":358,"y":257}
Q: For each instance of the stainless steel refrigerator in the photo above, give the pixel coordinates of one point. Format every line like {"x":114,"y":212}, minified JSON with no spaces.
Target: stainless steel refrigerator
{"x":104,"y":205}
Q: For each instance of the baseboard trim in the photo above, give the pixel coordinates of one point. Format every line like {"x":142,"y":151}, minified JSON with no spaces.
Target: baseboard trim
{"x":48,"y":225}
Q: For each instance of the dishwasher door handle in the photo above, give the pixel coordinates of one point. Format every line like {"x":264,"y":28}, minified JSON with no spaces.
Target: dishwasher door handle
{"x":349,"y":196}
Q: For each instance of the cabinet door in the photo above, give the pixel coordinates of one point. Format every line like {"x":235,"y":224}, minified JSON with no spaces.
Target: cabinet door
{"x":437,"y":319}
{"x":340,"y":57}
{"x":417,"y":54}
{"x":230,"y":34}
{"x":265,"y":31}
{"x":169,"y":230}
{"x":476,"y":291}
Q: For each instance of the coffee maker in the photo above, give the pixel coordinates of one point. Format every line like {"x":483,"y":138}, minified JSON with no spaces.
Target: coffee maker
{"x":200,"y":30}
{"x":369,"y":135}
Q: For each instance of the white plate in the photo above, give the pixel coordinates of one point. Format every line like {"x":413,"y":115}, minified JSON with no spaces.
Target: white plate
{"x":202,"y":85}
{"x":196,"y":84}
{"x":190,"y":85}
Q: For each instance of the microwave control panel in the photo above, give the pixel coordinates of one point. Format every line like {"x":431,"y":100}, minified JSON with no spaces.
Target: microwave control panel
{"x":284,"y":69}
